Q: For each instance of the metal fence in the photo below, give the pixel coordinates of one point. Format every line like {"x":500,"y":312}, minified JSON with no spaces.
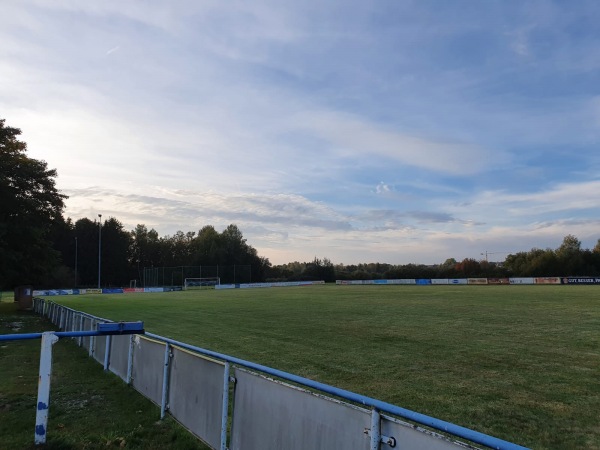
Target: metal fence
{"x":266,"y":411}
{"x":175,"y":276}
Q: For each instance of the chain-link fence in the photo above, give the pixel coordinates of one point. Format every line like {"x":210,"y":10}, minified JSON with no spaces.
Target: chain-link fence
{"x":175,"y":276}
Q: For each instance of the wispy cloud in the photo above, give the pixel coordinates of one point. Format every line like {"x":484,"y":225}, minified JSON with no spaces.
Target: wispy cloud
{"x":360,"y":131}
{"x":112,"y":50}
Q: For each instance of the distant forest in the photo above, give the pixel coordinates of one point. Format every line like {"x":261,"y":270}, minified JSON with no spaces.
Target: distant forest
{"x":126,"y":253}
{"x":39,"y":246}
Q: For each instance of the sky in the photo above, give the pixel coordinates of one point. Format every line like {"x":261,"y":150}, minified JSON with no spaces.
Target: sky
{"x":388,"y":131}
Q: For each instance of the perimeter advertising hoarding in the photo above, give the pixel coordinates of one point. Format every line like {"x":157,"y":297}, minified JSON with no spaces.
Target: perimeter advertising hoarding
{"x":112,"y":291}
{"x":423,"y":281}
{"x":477,"y":281}
{"x":547,"y":280}
{"x":457,"y":281}
{"x":403,"y":281}
{"x":581,"y":280}
{"x":440,"y":281}
{"x":132,"y":290}
{"x":154,"y":289}
{"x":498,"y":281}
{"x":56,"y":292}
{"x":90,"y":291}
{"x":525,"y":280}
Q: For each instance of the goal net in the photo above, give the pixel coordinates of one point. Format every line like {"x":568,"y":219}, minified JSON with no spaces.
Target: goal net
{"x":201,"y":283}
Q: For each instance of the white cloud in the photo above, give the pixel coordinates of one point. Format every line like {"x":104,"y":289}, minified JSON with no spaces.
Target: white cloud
{"x":283,"y":118}
{"x":351,"y":136}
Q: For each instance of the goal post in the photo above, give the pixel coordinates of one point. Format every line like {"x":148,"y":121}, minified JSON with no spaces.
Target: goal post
{"x":201,"y":283}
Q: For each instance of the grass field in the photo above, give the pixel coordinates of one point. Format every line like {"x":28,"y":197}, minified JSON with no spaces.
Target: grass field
{"x":518,"y":362}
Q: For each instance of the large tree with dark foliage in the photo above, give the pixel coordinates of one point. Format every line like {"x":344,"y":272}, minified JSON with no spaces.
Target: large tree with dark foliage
{"x":29,"y":203}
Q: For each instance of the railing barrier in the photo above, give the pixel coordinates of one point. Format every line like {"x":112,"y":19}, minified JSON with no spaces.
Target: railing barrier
{"x":266,"y":411}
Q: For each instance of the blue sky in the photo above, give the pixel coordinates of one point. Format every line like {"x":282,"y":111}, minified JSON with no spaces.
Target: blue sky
{"x":389,"y":131}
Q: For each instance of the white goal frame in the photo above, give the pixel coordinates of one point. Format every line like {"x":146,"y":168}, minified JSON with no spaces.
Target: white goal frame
{"x":201,"y":283}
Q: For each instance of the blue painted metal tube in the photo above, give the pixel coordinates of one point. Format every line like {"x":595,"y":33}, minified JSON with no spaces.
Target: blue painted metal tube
{"x":61,"y":334}
{"x":422,"y":419}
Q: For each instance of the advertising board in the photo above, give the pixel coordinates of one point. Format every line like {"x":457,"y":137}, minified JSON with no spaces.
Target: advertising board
{"x":547,"y":280}
{"x":90,"y":291}
{"x":581,"y":280}
{"x":154,"y":289}
{"x":525,"y":280}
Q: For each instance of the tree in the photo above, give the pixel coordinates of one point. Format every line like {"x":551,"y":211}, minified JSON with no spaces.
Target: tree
{"x":29,"y":203}
{"x":86,"y":232}
{"x":570,"y":256}
{"x":116,"y":243}
{"x":469,"y":267}
{"x":206,"y":247}
{"x":597,"y":247}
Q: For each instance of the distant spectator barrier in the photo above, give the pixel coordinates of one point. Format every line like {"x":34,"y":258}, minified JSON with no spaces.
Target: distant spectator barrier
{"x":193,"y":385}
{"x":476,"y":281}
{"x":53,"y":292}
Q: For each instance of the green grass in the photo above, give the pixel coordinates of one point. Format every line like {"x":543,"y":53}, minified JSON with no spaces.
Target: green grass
{"x":518,"y":362}
{"x":89,"y":409}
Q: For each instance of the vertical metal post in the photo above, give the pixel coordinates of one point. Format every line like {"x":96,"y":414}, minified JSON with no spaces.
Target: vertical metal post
{"x":80,"y":338}
{"x":130,"y":359}
{"x":75,"y":262}
{"x":375,"y":429}
{"x":92,"y":339}
{"x":107,"y":352}
{"x":225,"y":410}
{"x":165,"y":387}
{"x":43,"y":399}
{"x":99,"y":247}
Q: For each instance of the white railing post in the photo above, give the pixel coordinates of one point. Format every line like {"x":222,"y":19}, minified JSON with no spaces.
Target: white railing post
{"x":43,"y":400}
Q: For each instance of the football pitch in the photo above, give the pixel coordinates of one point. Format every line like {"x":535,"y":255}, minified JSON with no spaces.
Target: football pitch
{"x":521,"y":363}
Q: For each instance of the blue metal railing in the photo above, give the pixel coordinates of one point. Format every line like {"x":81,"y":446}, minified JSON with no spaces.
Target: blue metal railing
{"x":50,"y":308}
{"x":49,"y":338}
{"x":422,"y":419}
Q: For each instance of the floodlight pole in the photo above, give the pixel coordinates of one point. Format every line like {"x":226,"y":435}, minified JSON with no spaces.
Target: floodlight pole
{"x":99,"y":247}
{"x":75,"y":261}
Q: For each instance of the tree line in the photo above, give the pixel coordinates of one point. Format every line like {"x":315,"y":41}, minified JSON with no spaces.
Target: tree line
{"x":569,"y":259}
{"x":125,"y":254}
{"x":39,"y":246}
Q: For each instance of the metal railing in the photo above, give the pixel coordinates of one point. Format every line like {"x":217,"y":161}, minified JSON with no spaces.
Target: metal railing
{"x":49,"y":338}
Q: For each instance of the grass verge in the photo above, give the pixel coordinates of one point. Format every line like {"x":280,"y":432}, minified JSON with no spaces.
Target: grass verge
{"x":89,"y":408}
